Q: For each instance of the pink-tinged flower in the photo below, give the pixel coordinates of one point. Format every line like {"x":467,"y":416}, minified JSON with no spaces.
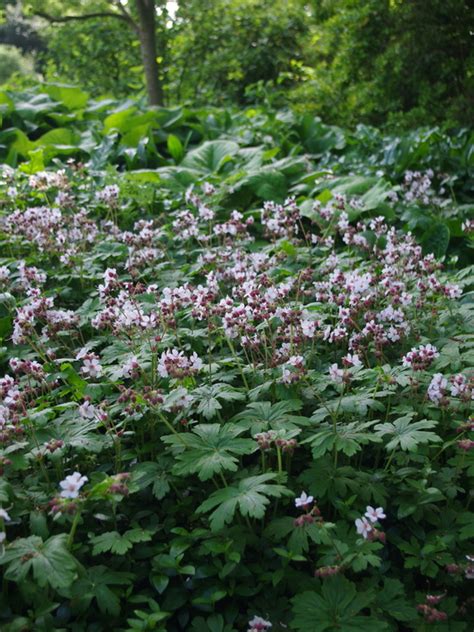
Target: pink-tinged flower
{"x":4,"y":274}
{"x":452,"y":291}
{"x":208,"y":188}
{"x":336,"y":374}
{"x":174,"y":363}
{"x":109,"y":195}
{"x":71,"y":485}
{"x":468,"y":226}
{"x":294,"y":370}
{"x":91,"y":366}
{"x":363,"y":527}
{"x":87,"y":410}
{"x":257,"y":624}
{"x":131,"y":367}
{"x":374,"y":514}
{"x":308,"y":327}
{"x":304,"y":500}
{"x":351,"y":360}
{"x":420,"y":358}
{"x":437,"y":388}
{"x":462,"y":387}
{"x":466,"y":444}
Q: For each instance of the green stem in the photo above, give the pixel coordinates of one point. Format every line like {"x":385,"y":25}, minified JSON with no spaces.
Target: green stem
{"x":72,"y":532}
{"x":170,"y":427}
{"x":239,"y":364}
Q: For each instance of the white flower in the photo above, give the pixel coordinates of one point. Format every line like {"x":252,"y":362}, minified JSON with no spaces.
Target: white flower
{"x":459,"y":385}
{"x":195,"y":362}
{"x":375,"y":514}
{"x":71,"y":485}
{"x":130,"y":366}
{"x":304,"y":500}
{"x":352,"y":360}
{"x":363,"y":527}
{"x":91,"y":366}
{"x":308,"y":327}
{"x":4,"y":515}
{"x":336,"y":374}
{"x":437,"y":388}
{"x":87,"y":410}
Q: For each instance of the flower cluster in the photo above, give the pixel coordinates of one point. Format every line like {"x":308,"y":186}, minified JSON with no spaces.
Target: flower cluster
{"x":173,"y":363}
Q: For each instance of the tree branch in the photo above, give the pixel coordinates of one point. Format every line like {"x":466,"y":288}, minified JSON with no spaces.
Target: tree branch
{"x":126,"y":15}
{"x":86,"y":16}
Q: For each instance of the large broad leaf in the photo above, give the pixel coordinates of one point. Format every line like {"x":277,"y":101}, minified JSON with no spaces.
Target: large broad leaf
{"x":319,"y":138}
{"x":335,"y":608}
{"x":18,"y":143}
{"x":268,"y":185}
{"x":211,"y":155}
{"x":251,"y":497}
{"x":435,"y":239}
{"x":50,"y":562}
{"x":58,"y":136}
{"x":178,"y":179}
{"x":376,"y":195}
{"x":351,"y":185}
{"x":30,"y":107}
{"x":126,"y":118}
{"x":71,"y":96}
{"x":210,"y":449}
{"x":175,"y":147}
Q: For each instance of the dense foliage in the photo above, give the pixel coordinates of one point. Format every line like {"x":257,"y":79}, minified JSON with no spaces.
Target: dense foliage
{"x":348,"y":61}
{"x":236,"y":358}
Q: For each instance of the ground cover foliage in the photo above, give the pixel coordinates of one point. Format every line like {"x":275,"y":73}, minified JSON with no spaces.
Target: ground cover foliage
{"x":237,"y":381}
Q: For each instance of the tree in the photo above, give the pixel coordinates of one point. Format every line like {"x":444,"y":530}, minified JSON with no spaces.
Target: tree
{"x":219,"y":48}
{"x":139,"y":15}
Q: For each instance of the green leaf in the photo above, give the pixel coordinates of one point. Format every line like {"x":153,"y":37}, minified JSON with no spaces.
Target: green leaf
{"x":348,"y":438}
{"x":175,"y":147}
{"x":435,"y":239}
{"x":407,"y":435}
{"x":392,"y":601}
{"x":208,"y":397}
{"x":50,"y":562}
{"x":261,"y":416}
{"x":335,"y":608}
{"x":267,"y":185}
{"x":119,"y":544}
{"x":73,"y":97}
{"x":95,"y":584}
{"x":211,"y":155}
{"x":210,"y":449}
{"x":251,"y":497}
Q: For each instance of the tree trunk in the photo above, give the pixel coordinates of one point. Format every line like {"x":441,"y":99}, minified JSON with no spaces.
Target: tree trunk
{"x":146,"y":33}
